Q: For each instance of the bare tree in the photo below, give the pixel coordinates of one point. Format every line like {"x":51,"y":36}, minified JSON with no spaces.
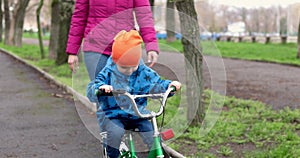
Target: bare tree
{"x":60,"y":25}
{"x":192,"y":51}
{"x":152,"y":2}
{"x":1,"y":21}
{"x":38,"y":12}
{"x":216,"y":18}
{"x":65,"y":10}
{"x":206,"y":16}
{"x":283,"y":26}
{"x":7,"y":22}
{"x":170,"y":21}
{"x":243,"y":13}
{"x":255,"y":21}
{"x":45,"y":15}
{"x":298,"y":41}
{"x":54,"y":30}
{"x":17,"y":22}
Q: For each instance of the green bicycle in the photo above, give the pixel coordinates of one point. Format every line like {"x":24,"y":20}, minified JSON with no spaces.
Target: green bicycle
{"x":127,"y":147}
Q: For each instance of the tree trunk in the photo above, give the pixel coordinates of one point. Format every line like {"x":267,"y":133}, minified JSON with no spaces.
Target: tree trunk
{"x":1,"y":21}
{"x":66,"y":10}
{"x":7,"y":22}
{"x":170,"y":21}
{"x":19,"y":17}
{"x":11,"y":30}
{"x":298,"y":41}
{"x":54,"y":30}
{"x":38,"y":12}
{"x":14,"y":23}
{"x":152,"y":2}
{"x":192,"y":52}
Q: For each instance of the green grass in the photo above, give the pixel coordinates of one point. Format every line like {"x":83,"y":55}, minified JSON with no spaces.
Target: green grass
{"x":35,"y":35}
{"x":245,"y":128}
{"x":170,"y":46}
{"x":277,"y":53}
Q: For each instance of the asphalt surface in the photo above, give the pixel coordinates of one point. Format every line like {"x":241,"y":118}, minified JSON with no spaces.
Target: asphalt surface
{"x":38,"y":119}
{"x":274,"y":84}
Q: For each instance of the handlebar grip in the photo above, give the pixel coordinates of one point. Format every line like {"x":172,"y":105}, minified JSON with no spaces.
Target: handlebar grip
{"x":101,"y":92}
{"x":173,"y":88}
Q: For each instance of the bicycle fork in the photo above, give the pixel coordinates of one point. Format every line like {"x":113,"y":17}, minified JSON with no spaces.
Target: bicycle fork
{"x":131,"y":145}
{"x":156,"y":150}
{"x":129,"y":153}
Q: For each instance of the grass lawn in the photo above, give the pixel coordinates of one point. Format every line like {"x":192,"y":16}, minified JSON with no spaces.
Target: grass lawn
{"x":245,"y":128}
{"x":45,"y":36}
{"x":278,"y":53}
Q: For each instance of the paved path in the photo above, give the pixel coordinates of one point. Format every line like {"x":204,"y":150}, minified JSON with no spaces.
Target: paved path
{"x":274,"y":84}
{"x":37,"y":119}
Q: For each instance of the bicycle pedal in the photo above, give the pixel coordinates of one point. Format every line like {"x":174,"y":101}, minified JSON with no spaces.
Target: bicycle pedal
{"x":167,"y":134}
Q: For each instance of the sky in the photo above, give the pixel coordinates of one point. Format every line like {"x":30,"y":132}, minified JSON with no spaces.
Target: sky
{"x":255,"y":3}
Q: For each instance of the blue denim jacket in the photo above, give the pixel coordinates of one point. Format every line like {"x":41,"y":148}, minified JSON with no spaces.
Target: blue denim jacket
{"x":142,"y":81}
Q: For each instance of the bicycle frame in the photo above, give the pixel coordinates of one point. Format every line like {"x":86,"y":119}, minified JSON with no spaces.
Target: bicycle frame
{"x":156,"y":151}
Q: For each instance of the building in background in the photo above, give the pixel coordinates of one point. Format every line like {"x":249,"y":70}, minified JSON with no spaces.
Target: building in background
{"x":237,"y":28}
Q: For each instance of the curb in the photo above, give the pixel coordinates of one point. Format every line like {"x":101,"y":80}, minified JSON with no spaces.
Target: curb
{"x":83,"y":99}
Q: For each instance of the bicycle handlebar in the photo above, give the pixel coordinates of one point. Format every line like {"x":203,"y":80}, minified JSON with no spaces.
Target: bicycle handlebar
{"x":164,"y":97}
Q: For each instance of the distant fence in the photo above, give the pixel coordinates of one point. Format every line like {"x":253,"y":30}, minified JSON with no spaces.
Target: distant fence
{"x":258,"y":39}
{"x":250,"y":39}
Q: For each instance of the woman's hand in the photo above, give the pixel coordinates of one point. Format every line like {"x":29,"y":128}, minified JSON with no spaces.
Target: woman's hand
{"x":152,"y":57}
{"x":73,"y":61}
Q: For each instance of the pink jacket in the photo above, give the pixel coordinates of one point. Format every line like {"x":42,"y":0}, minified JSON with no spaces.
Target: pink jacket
{"x":98,"y":21}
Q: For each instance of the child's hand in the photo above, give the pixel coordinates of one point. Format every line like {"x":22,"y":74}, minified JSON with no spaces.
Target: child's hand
{"x":106,"y":88}
{"x":176,"y":84}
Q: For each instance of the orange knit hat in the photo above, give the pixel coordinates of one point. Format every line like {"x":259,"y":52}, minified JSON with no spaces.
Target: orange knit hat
{"x":127,"y":49}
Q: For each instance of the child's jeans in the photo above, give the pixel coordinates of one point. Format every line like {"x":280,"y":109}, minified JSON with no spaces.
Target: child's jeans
{"x":115,"y":129}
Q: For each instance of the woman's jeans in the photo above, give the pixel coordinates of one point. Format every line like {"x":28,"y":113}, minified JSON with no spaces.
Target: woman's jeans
{"x":115,"y":129}
{"x":94,"y":63}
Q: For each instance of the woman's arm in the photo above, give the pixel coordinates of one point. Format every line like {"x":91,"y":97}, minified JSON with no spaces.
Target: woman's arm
{"x":146,"y":24}
{"x":78,"y":24}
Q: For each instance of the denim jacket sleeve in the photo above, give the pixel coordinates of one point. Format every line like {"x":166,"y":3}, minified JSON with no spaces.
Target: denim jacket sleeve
{"x":156,"y":79}
{"x":101,"y":79}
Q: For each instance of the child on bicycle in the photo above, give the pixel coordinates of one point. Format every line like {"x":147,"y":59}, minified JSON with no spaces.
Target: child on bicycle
{"x":125,"y":70}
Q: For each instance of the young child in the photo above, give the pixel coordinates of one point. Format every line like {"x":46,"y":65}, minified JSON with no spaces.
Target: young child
{"x":125,"y":70}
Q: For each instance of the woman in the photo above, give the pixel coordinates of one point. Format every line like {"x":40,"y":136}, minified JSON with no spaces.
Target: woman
{"x":98,"y":21}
